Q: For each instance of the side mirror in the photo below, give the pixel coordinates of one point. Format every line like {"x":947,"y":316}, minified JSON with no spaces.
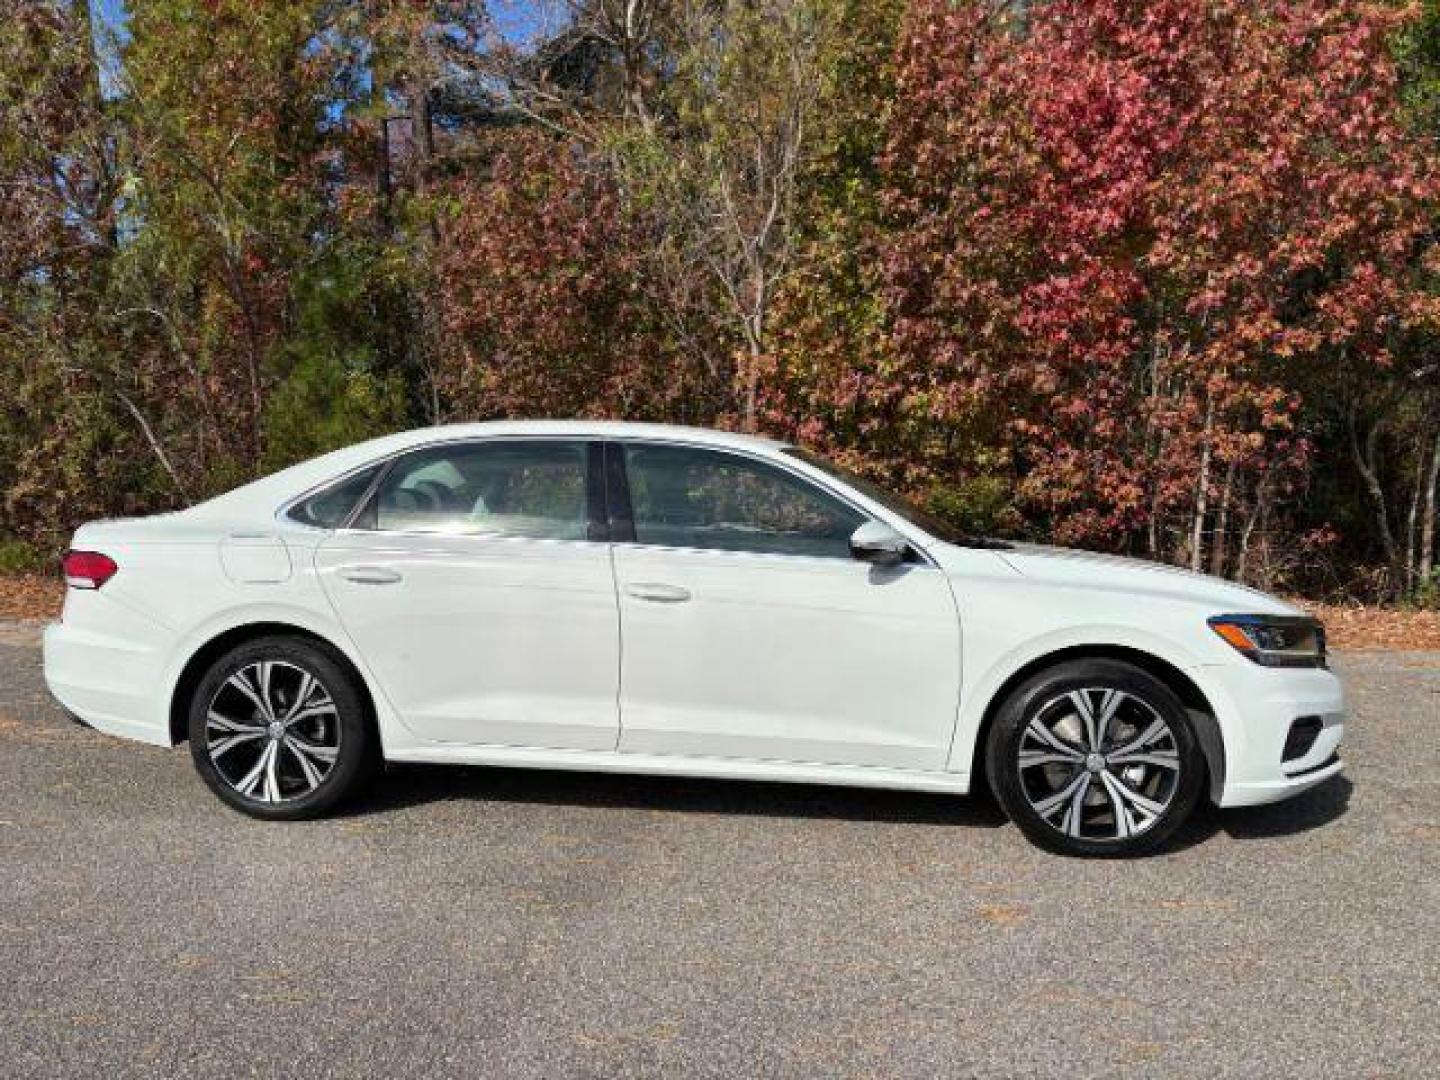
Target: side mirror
{"x":877,"y":543}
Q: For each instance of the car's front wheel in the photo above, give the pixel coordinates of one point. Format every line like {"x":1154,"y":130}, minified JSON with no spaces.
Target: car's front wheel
{"x":279,"y":730}
{"x":1095,"y":757}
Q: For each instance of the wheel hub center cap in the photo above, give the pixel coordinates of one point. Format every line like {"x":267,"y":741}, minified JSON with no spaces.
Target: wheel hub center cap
{"x":275,"y":728}
{"x":1095,"y":762}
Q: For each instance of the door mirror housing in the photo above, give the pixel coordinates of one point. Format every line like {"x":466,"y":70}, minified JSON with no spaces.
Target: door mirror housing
{"x":877,"y":543}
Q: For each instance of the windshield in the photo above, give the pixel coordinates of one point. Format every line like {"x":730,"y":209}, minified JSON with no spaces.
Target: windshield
{"x":896,"y":504}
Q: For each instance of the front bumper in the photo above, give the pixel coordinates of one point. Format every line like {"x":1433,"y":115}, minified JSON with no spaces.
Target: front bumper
{"x":1256,"y":708}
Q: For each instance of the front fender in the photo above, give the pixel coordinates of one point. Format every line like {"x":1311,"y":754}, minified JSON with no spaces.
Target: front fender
{"x":984,"y":676}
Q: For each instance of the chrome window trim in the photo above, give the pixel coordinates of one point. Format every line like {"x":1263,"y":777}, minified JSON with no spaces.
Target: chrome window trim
{"x":388,"y":463}
{"x":828,"y":485}
{"x":283,"y":516}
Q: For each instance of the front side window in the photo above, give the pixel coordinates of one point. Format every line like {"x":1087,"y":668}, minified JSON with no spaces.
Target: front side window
{"x":526,"y":488}
{"x":697,"y":498}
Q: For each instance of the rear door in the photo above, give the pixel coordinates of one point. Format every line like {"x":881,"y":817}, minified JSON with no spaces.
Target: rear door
{"x":477,"y":585}
{"x":749,"y":631}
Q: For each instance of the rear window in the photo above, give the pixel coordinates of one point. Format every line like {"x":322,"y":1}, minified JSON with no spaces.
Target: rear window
{"x":329,"y":509}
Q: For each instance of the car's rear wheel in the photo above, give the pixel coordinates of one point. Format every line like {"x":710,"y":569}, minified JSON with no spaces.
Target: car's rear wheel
{"x":1095,"y":758}
{"x":279,"y":730}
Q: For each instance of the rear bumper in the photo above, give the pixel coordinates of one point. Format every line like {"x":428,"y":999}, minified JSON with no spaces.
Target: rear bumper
{"x":1257,"y":707}
{"x":109,"y":679}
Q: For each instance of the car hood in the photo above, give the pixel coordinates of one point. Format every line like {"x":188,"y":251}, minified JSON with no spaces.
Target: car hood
{"x":1065,"y":567}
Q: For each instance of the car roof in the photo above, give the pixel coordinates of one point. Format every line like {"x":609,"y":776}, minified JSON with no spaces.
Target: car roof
{"x":612,"y":429}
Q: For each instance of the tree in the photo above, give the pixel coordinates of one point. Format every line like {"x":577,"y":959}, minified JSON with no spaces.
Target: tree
{"x":543,"y":296}
{"x":1130,"y":229}
{"x":722,"y":176}
{"x":58,"y":221}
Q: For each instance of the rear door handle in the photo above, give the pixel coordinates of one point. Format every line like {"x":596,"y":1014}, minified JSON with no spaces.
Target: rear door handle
{"x":657,"y":593}
{"x":370,"y":575}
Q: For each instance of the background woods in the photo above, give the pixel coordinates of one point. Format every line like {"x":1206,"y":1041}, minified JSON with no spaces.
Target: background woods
{"x":1153,"y":276}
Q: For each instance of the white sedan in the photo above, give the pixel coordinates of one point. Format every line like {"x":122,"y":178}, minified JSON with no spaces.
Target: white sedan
{"x":650,"y":599}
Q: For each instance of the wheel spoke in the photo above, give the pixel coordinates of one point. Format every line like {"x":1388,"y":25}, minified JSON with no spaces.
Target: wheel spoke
{"x":325,"y":708}
{"x":272,"y":774}
{"x":1030,"y":758}
{"x":1124,"y":824}
{"x":1110,"y":703}
{"x":1164,"y":759}
{"x":267,"y":688}
{"x":1081,"y":700}
{"x":226,"y":723}
{"x":1134,"y":798}
{"x":1048,"y":805}
{"x":307,"y":684}
{"x":1039,"y":731}
{"x":241,"y":683}
{"x":1155,"y":731}
{"x":1134,"y":813}
{"x":222,"y":746}
{"x":1074,"y":820}
{"x":326,"y":754}
{"x":253,"y":779}
{"x":312,"y":774}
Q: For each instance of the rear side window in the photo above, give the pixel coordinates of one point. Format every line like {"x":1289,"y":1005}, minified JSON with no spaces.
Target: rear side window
{"x":329,"y":509}
{"x":697,"y":498}
{"x":526,"y":488}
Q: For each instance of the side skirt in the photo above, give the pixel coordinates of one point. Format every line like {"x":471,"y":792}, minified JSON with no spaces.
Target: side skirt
{"x":785,"y":772}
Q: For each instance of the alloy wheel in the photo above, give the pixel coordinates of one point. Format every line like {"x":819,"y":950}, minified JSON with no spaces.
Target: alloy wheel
{"x":1099,"y":764}
{"x":272,"y":731}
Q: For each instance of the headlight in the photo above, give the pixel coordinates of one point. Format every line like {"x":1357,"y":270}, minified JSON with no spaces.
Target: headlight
{"x":1274,"y":640}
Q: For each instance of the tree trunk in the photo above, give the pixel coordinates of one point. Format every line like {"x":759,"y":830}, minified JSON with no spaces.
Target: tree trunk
{"x":755,"y":341}
{"x":1427,"y":522}
{"x":1242,"y":559}
{"x":1365,"y":455}
{"x":1219,"y":545}
{"x":155,"y":446}
{"x":752,"y":386}
{"x":1412,"y":518}
{"x":1202,"y":492}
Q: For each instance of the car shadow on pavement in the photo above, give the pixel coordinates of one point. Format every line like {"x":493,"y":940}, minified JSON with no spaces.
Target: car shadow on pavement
{"x":1314,"y":809}
{"x":417,"y":785}
{"x":412,"y":785}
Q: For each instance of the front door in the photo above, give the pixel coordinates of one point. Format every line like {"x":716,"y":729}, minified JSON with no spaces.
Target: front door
{"x":749,"y":631}
{"x":472,"y":588}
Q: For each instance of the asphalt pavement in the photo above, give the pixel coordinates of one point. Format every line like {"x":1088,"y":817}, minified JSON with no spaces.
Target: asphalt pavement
{"x":504,"y":923}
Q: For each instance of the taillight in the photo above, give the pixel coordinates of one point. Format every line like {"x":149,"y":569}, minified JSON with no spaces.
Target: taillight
{"x":87,"y":569}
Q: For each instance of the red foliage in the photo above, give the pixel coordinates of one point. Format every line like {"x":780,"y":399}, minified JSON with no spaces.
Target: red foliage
{"x":1119,"y":237}
{"x":543,"y":296}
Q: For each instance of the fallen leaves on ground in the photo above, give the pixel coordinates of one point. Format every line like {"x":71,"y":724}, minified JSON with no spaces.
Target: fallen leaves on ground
{"x":30,"y":596}
{"x":1356,"y":627}
{"x":1002,"y":914}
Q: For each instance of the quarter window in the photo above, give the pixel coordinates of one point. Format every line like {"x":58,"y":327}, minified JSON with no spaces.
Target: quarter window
{"x":696,"y":498}
{"x":527,"y":488}
{"x":328,"y":509}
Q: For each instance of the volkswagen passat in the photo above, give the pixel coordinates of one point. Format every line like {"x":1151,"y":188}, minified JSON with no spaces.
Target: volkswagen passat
{"x":650,"y":599}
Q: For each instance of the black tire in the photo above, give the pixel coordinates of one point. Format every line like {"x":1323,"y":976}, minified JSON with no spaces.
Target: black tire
{"x":1096,"y":818}
{"x":343,"y":751}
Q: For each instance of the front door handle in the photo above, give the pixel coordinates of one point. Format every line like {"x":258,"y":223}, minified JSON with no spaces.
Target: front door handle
{"x":657,"y":593}
{"x":370,"y":575}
